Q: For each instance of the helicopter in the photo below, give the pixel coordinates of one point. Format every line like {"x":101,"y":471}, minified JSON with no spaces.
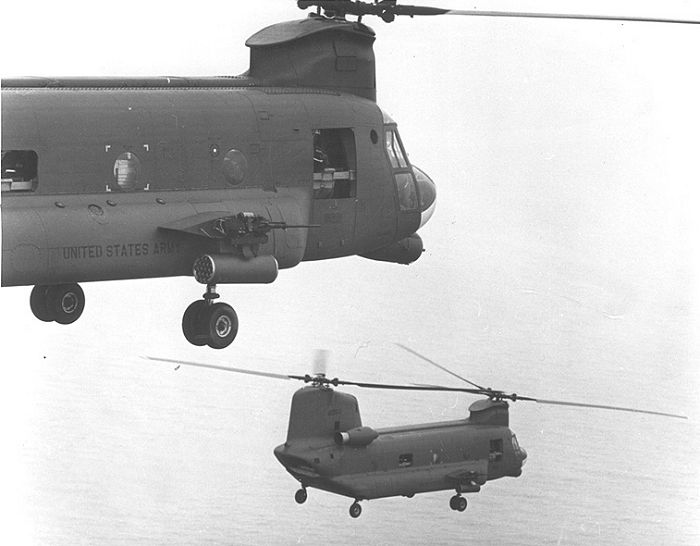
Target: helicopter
{"x":329,"y":448}
{"x":226,"y":179}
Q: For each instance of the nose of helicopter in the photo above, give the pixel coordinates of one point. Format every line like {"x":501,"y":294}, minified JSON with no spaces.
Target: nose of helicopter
{"x":427,"y":193}
{"x":523,"y":456}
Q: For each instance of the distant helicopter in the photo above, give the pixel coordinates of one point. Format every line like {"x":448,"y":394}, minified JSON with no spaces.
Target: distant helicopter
{"x":228,"y":179}
{"x":329,"y":448}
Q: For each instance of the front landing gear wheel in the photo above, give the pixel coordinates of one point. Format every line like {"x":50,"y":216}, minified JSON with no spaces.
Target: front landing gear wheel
{"x":355,"y":510}
{"x":222,"y":325}
{"x":207,"y":323}
{"x":300,"y":496}
{"x":192,"y":323}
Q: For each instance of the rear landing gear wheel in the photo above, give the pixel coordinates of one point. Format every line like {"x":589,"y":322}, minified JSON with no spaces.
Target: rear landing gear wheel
{"x":355,"y":510}
{"x":458,"y":503}
{"x":62,"y":303}
{"x":300,"y":496}
{"x":38,"y":301}
{"x":66,"y":302}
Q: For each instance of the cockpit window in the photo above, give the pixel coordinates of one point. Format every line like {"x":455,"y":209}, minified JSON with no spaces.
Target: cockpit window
{"x":403,"y":174}
{"x":397,"y":156}
{"x":19,"y":170}
{"x":516,"y":447}
{"x":335,"y":164}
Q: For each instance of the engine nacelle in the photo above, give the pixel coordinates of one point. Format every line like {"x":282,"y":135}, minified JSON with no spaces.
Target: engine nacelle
{"x":356,"y":437}
{"x":404,"y":252}
{"x":228,"y":269}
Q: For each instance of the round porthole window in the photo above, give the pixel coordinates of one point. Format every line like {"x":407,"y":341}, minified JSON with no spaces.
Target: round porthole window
{"x":235,"y":167}
{"x":127,"y":172}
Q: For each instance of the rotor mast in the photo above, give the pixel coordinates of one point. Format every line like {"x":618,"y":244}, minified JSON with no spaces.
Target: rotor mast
{"x":388,"y":10}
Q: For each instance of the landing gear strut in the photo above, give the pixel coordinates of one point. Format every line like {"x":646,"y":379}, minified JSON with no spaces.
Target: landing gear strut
{"x":62,"y":303}
{"x":458,"y":503}
{"x":207,"y":323}
{"x":355,"y":509}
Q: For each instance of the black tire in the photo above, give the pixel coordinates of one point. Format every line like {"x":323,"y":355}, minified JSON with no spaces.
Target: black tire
{"x":38,"y":302}
{"x":222,"y":325}
{"x":194,"y":323}
{"x":300,"y":496}
{"x":66,"y":302}
{"x":453,"y":502}
{"x":461,"y":504}
{"x":355,"y":510}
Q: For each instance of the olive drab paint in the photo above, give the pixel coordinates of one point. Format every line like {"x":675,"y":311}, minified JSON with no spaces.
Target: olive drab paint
{"x":287,"y":161}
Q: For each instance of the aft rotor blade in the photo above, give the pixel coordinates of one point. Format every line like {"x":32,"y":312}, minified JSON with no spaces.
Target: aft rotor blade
{"x":523,"y":14}
{"x":224,"y":368}
{"x":439,"y":366}
{"x":598,"y":406}
{"x":389,"y":386}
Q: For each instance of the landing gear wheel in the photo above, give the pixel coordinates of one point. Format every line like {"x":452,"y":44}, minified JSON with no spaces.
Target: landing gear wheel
{"x":222,"y":325}
{"x":300,"y":496}
{"x":355,"y":510}
{"x":458,"y":503}
{"x":66,"y":302}
{"x":192,"y":323}
{"x":38,"y":301}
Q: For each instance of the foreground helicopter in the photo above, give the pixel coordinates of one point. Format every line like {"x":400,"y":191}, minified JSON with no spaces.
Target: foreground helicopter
{"x":228,"y":179}
{"x":329,"y":448}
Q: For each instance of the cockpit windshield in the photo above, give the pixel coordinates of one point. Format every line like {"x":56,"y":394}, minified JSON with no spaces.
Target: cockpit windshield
{"x":395,"y":150}
{"x":403,"y":175}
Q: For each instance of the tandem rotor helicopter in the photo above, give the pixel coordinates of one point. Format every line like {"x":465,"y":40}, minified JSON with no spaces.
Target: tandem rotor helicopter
{"x":227,"y":179}
{"x":329,"y":448}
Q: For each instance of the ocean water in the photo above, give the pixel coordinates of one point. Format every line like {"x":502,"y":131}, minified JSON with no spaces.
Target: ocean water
{"x":106,"y":447}
{"x":562,"y":262}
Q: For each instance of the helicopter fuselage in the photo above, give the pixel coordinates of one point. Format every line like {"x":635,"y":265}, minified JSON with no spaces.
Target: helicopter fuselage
{"x":114,"y":166}
{"x":328,"y":448}
{"x":403,"y":461}
{"x":228,"y":179}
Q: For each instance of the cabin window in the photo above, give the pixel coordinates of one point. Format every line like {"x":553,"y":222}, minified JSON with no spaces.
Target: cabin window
{"x":495,"y":450}
{"x":405,"y":459}
{"x":127,"y":172}
{"x":335,"y":164}
{"x":19,"y":170}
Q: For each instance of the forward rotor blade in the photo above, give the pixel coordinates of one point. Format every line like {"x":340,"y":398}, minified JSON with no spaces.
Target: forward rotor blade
{"x":439,"y":366}
{"x":598,"y":406}
{"x":522,"y":14}
{"x":225,"y":368}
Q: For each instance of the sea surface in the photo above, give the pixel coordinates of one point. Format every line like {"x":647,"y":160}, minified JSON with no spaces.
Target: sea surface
{"x":562,"y":262}
{"x":105,"y":447}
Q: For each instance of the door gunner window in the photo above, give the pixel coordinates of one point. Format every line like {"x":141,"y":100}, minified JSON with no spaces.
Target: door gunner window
{"x":335,"y":164}
{"x":19,"y":170}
